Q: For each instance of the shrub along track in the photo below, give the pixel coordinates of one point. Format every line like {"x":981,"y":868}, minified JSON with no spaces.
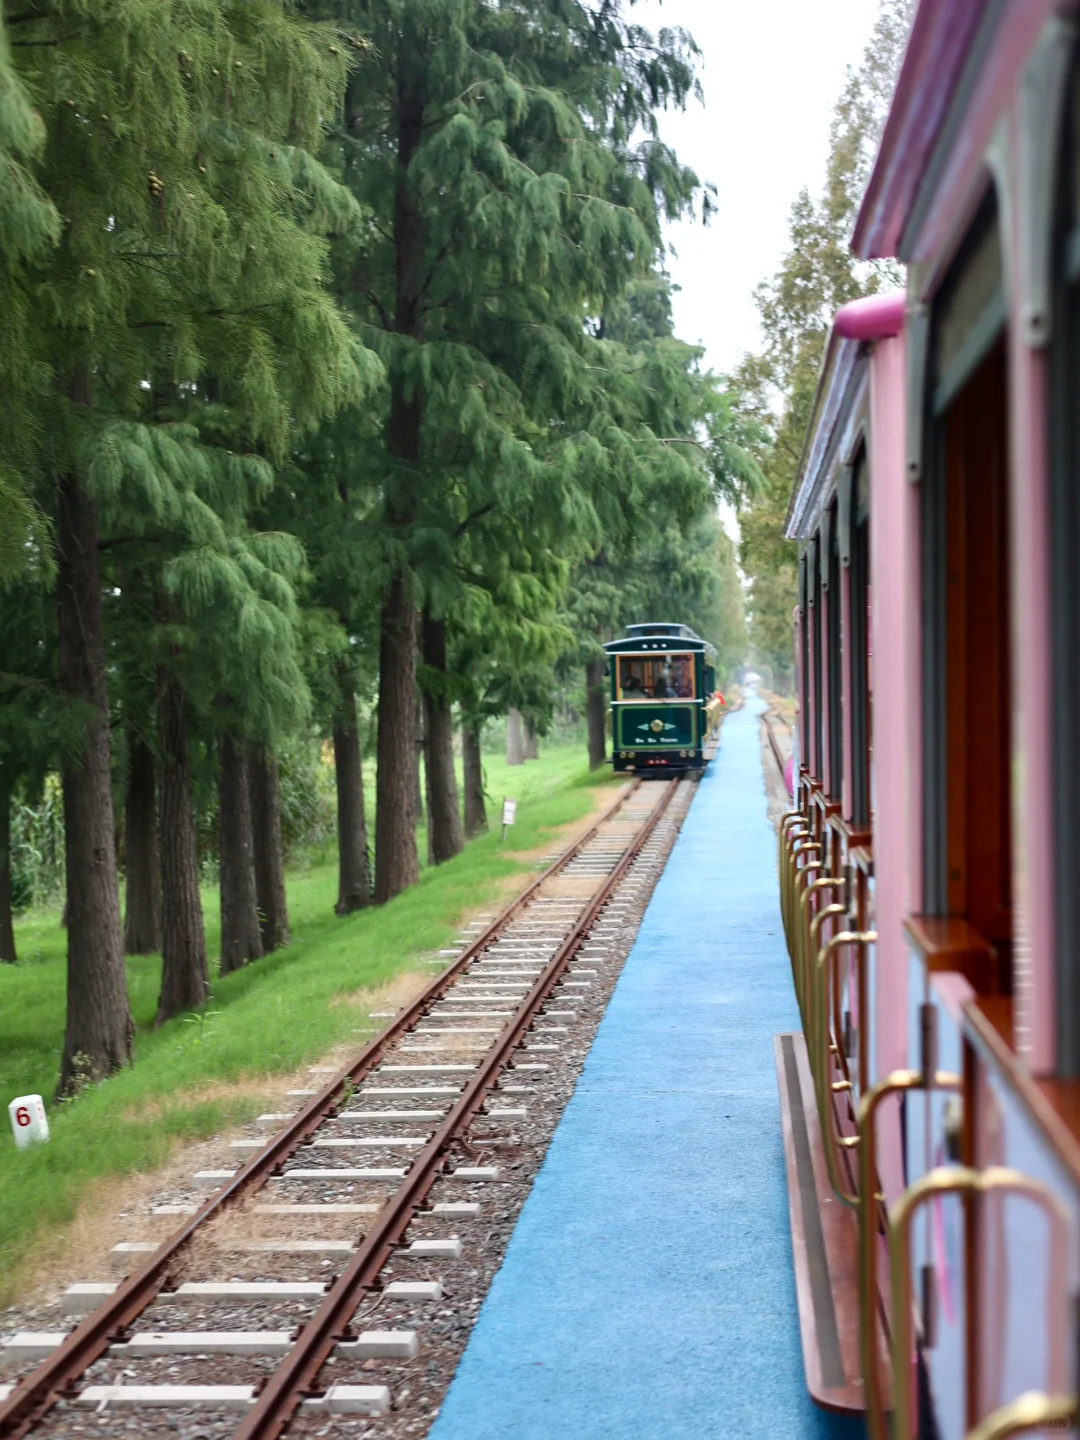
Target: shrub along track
{"x":250,"y":1380}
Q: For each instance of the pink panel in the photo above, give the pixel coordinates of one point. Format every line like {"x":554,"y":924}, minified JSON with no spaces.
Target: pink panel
{"x":896,"y":761}
{"x":895,"y":671}
{"x":1032,"y":700}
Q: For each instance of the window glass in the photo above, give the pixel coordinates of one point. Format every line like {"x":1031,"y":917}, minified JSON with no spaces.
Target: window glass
{"x":656,"y":677}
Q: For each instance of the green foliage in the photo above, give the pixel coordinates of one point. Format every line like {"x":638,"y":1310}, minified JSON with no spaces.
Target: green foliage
{"x":29,"y":224}
{"x":776,"y":388}
{"x":674,"y":562}
{"x":37,"y":850}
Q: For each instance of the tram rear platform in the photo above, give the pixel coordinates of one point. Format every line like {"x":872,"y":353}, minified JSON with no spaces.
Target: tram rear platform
{"x":648,"y":1290}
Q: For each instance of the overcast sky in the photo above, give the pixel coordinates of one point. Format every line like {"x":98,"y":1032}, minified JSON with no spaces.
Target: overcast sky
{"x":772,"y":71}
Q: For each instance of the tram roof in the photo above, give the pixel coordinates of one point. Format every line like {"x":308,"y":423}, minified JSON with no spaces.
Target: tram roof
{"x":661,"y":636}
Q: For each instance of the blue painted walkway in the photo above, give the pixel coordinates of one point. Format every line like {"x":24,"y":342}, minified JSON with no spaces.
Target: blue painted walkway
{"x":647,"y":1292}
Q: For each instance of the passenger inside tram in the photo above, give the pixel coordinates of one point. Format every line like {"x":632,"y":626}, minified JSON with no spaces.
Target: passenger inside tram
{"x":668,"y":677}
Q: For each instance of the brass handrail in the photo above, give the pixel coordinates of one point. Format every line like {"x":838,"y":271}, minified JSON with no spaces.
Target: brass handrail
{"x":1024,"y":1413}
{"x":960,"y":1180}
{"x":895,"y":1083}
{"x":814,"y":946}
{"x":789,"y":837}
{"x":799,"y":880}
{"x":820,"y":1059}
{"x":823,"y":882}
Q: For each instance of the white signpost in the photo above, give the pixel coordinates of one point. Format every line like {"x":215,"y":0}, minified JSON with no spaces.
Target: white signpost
{"x":509,"y":812}
{"x":28,"y":1120}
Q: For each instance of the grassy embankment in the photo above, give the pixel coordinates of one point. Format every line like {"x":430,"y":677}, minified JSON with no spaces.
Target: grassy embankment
{"x":267,"y":1019}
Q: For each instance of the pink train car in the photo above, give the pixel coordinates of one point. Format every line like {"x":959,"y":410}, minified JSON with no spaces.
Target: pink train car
{"x":931,"y":863}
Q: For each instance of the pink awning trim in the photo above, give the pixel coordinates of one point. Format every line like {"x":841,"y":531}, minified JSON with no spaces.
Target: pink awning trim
{"x":874,"y":317}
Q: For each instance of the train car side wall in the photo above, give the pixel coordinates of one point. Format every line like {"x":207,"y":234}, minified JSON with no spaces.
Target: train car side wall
{"x":1034,"y":977}
{"x":896,"y":775}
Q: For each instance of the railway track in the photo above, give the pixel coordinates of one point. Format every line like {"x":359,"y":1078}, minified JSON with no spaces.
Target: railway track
{"x":771,"y":721}
{"x":406,"y":1119}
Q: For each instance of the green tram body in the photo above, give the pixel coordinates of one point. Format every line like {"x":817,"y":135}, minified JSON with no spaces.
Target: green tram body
{"x":653,"y":732}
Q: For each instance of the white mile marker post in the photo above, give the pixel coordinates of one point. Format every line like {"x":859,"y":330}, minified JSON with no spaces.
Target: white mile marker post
{"x":509,"y":812}
{"x":28,"y":1120}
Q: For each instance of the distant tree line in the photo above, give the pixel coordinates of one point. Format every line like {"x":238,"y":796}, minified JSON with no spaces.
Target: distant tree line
{"x":338,"y":379}
{"x":774,"y":388}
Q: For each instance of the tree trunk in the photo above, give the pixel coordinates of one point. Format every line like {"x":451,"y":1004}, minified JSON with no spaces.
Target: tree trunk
{"x":475,"y":814}
{"x":532,"y":744}
{"x":264,"y":783}
{"x":241,"y":937}
{"x":142,"y":859}
{"x":444,"y":810}
{"x":185,"y":981}
{"x":515,"y":739}
{"x":99,"y":1030}
{"x":354,"y":874}
{"x":7,"y":928}
{"x":419,"y":781}
{"x":595,"y":711}
{"x":396,"y":863}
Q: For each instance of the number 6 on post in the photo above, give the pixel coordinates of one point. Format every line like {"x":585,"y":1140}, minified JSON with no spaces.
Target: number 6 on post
{"x":29,"y":1123}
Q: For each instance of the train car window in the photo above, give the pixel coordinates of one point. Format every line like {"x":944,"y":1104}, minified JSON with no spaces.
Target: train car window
{"x":966,"y":597}
{"x":971,"y":316}
{"x":656,"y":677}
{"x":834,"y":640}
{"x":859,"y":626}
{"x":1065,"y":584}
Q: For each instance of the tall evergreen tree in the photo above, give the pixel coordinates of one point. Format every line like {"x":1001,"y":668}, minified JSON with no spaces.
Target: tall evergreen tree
{"x":698,"y":438}
{"x":775,"y":388}
{"x":178,"y":150}
{"x":510,"y":157}
{"x":29,"y":226}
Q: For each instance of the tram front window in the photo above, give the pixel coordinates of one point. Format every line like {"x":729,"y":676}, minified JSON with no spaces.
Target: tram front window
{"x":660,"y":677}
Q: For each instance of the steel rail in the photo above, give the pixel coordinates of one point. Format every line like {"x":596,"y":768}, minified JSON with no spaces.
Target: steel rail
{"x":780,"y":761}
{"x":296,"y":1374}
{"x":37,"y":1392}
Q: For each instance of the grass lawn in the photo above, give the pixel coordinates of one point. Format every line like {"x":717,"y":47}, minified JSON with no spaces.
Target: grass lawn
{"x":269,"y":1018}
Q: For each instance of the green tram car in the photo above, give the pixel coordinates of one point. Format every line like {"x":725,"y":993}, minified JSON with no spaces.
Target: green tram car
{"x":664,"y":705}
